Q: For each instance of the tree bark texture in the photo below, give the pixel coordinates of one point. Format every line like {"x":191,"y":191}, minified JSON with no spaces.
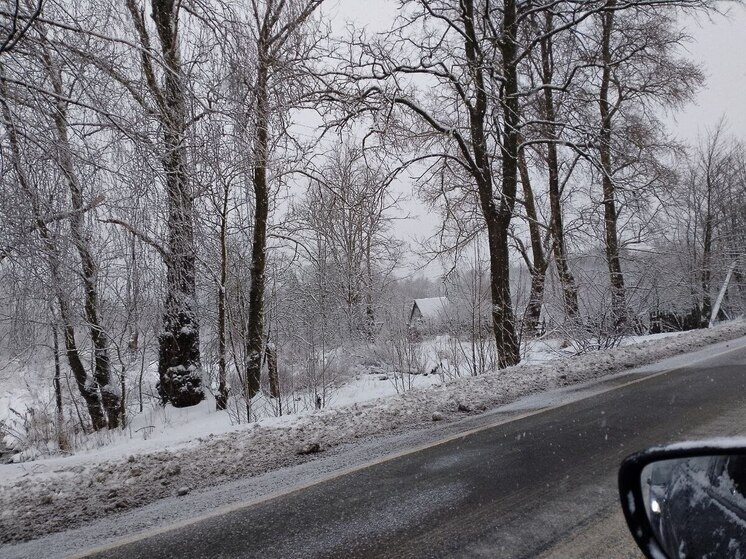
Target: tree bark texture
{"x":272,"y":371}
{"x":60,"y":417}
{"x":179,"y":364}
{"x":556,"y":225}
{"x":221,"y":400}
{"x":496,"y":218}
{"x":255,"y":328}
{"x":616,"y":277}
{"x":539,"y":262}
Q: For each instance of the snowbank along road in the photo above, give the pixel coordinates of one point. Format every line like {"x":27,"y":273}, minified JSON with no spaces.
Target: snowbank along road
{"x":179,"y":509}
{"x":513,"y":490}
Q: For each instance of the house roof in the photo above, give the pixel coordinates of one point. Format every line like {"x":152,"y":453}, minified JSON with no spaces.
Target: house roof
{"x":431,"y":307}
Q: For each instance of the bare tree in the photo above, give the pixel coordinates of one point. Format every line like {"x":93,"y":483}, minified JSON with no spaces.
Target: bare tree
{"x":50,"y":115}
{"x":18,"y":17}
{"x":555,"y":50}
{"x":705,"y":212}
{"x":110,"y":395}
{"x":349,"y":207}
{"x":637,"y":67}
{"x":179,"y":364}
{"x":89,"y":390}
{"x":278,"y":43}
{"x":465,"y":142}
{"x":538,"y":263}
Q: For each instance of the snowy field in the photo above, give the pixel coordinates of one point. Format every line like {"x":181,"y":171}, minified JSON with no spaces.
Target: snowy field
{"x":167,"y":452}
{"x":160,"y":428}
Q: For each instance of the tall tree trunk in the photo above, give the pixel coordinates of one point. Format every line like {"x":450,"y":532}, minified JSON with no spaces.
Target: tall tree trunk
{"x":496,"y":218}
{"x":556,"y":226}
{"x":539,"y":262}
{"x":179,"y":365}
{"x":370,"y":316}
{"x":221,"y":400}
{"x":616,"y":278}
{"x":510,"y":148}
{"x":255,"y":328}
{"x":62,"y":441}
{"x":133,"y":319}
{"x":277,"y":21}
{"x":273,"y":373}
{"x":706,"y":272}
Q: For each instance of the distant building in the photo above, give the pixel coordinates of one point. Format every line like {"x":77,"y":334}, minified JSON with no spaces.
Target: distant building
{"x":430,"y":314}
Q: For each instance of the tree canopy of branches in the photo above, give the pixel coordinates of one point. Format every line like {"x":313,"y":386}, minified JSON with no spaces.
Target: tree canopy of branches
{"x":215,"y":189}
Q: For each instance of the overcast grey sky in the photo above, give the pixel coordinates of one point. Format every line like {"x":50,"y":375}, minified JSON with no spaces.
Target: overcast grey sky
{"x":720,"y":47}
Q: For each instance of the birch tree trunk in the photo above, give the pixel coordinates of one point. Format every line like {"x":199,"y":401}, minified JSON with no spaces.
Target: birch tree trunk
{"x":60,"y":417}
{"x":221,"y":400}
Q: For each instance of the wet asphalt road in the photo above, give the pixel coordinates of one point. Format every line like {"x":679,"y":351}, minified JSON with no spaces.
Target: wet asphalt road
{"x":526,"y":488}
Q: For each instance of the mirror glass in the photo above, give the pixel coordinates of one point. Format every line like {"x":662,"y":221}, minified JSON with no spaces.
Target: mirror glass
{"x":697,"y":506}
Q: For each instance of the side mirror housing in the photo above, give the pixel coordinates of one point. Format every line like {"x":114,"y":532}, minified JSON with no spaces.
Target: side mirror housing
{"x":686,"y":500}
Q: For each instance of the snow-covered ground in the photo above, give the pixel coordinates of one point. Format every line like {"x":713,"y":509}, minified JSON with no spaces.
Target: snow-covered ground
{"x":161,"y":428}
{"x":184,"y":450}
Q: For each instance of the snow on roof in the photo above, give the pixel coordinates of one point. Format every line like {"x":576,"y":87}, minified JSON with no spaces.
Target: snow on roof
{"x":432,"y":307}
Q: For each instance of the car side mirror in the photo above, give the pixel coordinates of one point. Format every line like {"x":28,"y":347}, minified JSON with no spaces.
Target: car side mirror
{"x":687,"y":500}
